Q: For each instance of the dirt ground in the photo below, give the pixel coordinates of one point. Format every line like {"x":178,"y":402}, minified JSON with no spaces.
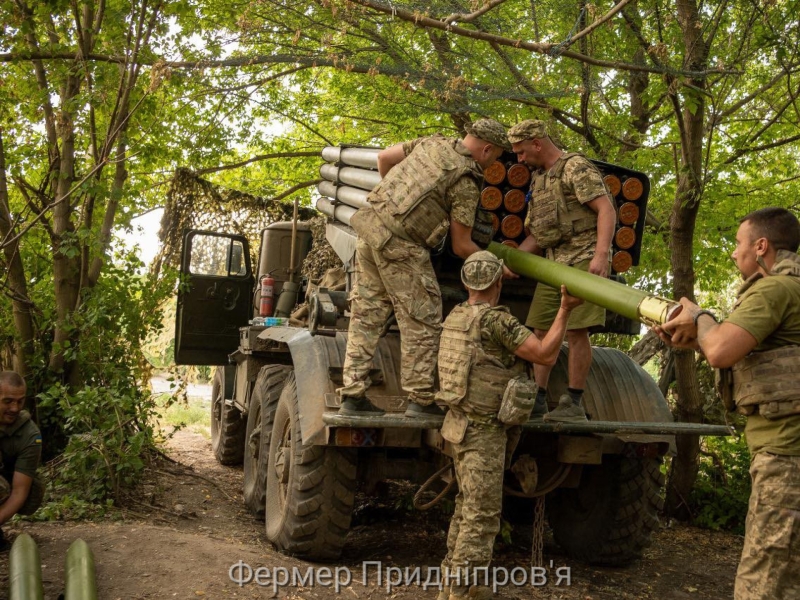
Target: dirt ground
{"x":192,"y":527}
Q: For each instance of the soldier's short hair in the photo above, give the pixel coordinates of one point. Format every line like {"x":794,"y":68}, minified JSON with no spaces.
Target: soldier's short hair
{"x":11,"y":379}
{"x":778,"y":225}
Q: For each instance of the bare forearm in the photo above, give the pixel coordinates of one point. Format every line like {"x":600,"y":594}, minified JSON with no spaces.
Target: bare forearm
{"x":11,"y":506}
{"x":529,"y":244}
{"x":606,"y":222}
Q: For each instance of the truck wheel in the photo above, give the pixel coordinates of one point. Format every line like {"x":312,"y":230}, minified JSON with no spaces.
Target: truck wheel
{"x":609,"y":519}
{"x":266,"y":392}
{"x":227,"y":425}
{"x":310,"y":489}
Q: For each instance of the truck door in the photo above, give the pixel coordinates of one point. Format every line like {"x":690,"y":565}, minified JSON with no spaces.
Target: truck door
{"x":214,"y":297}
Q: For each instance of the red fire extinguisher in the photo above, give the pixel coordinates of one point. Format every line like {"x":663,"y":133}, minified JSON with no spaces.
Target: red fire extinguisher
{"x":267,"y":296}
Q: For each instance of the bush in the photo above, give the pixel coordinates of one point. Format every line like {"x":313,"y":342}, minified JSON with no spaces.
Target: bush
{"x":720,"y":495}
{"x":102,"y":429}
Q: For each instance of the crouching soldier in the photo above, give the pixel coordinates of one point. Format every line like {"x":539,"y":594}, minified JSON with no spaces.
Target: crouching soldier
{"x":479,"y":372}
{"x":21,"y":447}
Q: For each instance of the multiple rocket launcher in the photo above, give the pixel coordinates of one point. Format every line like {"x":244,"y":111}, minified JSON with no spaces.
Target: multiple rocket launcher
{"x":350,"y":173}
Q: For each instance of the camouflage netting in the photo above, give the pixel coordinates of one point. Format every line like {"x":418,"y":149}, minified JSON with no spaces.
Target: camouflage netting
{"x":195,"y":203}
{"x":322,"y":258}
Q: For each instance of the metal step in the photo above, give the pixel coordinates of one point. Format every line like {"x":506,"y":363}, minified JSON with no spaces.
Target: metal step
{"x":400,"y":421}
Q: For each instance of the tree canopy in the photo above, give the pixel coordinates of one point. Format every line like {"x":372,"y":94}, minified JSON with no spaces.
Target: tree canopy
{"x":104,"y":99}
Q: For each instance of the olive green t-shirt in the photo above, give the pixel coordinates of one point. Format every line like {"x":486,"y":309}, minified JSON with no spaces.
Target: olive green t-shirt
{"x":21,"y":449}
{"x":770,"y":312}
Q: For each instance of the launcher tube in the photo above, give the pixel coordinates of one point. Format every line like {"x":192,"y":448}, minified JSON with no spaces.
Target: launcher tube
{"x":360,"y":178}
{"x":349,"y":195}
{"x":366,"y":158}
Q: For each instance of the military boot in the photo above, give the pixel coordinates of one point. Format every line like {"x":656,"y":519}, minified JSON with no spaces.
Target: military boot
{"x":418,"y":410}
{"x":358,"y":406}
{"x":539,"y":410}
{"x":480,"y":592}
{"x":458,"y":592}
{"x":566,"y":412}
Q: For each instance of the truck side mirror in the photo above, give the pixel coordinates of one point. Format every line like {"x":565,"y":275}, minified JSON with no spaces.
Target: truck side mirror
{"x":236,"y":264}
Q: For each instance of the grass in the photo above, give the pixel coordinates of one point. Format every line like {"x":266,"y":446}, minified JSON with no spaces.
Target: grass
{"x":195,"y":415}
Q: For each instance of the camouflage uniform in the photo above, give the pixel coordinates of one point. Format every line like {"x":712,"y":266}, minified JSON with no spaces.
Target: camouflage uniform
{"x":410,"y":212}
{"x":770,"y":563}
{"x":580,"y":182}
{"x":486,"y":445}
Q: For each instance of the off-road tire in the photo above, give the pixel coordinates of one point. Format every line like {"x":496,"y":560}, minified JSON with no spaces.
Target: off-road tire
{"x":310,"y":504}
{"x":609,"y":519}
{"x":266,"y":392}
{"x":227,"y":425}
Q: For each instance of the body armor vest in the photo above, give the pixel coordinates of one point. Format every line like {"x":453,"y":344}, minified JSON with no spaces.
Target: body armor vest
{"x":766,"y":381}
{"x":469,"y":377}
{"x":551,"y":219}
{"x":412,"y":202}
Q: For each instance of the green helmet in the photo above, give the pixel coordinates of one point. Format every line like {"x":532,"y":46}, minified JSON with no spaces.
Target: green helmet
{"x":481,"y":270}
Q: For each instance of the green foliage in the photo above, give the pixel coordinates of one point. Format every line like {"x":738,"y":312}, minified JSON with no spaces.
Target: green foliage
{"x":104,"y":429}
{"x":720,"y":496}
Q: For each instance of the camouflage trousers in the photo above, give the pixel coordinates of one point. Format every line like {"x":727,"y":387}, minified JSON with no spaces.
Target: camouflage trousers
{"x":32,"y":502}
{"x":397,"y":278}
{"x":770,"y":565}
{"x":479,"y":462}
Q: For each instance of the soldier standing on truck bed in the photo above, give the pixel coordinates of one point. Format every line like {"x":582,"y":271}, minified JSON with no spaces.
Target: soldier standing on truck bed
{"x":430,"y":186}
{"x":757,"y":349}
{"x":479,"y":364}
{"x":572,"y":218}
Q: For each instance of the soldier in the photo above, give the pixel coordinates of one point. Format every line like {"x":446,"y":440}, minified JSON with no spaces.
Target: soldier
{"x":21,"y":446}
{"x":572,"y":217}
{"x":430,"y":186}
{"x":757,"y":349}
{"x":480,"y":352}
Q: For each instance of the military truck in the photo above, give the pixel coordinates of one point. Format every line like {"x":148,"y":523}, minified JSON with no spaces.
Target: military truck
{"x":274,"y":406}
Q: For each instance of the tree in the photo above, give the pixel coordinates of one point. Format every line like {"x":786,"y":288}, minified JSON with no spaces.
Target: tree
{"x":701,"y":96}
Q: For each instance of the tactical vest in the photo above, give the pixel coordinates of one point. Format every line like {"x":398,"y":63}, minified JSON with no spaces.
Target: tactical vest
{"x":412,"y":202}
{"x":766,"y":381}
{"x":551,"y":218}
{"x":469,"y":377}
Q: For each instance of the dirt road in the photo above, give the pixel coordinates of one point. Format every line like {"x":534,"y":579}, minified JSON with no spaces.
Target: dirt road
{"x":186,"y":545}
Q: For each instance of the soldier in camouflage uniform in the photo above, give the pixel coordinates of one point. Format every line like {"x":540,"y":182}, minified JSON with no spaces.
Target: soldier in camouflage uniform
{"x":20,"y":452}
{"x":571,"y":218}
{"x":757,"y":349}
{"x":430,"y":186}
{"x":480,"y":352}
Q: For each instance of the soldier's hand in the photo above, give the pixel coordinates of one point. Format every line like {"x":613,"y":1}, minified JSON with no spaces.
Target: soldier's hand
{"x":569,"y":302}
{"x":599,"y":266}
{"x":681,"y":330}
{"x":509,"y":274}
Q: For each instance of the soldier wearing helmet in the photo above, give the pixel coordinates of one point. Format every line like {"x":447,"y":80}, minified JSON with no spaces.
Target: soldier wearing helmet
{"x":571,"y":219}
{"x":483,"y":348}
{"x":430,"y":186}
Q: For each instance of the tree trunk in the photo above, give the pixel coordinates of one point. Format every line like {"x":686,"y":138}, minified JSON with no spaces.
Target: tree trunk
{"x":16,"y":280}
{"x":682,"y":224}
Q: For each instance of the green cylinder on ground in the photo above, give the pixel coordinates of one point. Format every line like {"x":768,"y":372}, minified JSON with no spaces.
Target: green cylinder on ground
{"x":611,"y":295}
{"x":25,"y":570}
{"x":79,"y":575}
